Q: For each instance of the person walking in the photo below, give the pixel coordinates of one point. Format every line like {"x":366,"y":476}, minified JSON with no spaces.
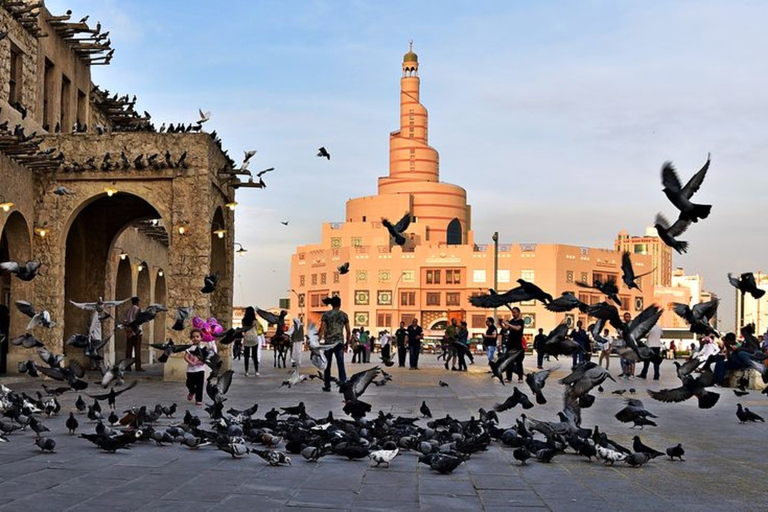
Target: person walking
{"x":251,"y":340}
{"x":5,"y":323}
{"x":605,"y":349}
{"x":463,"y":337}
{"x":400,"y":337}
{"x":195,"y":367}
{"x":133,"y":334}
{"x":580,"y":336}
{"x":415,"y":335}
{"x":515,"y":342}
{"x":365,"y":349}
{"x":354,"y":343}
{"x":673,"y":349}
{"x":451,"y":333}
{"x":334,"y":328}
{"x":385,"y":342}
{"x":490,"y":338}
{"x":538,"y":345}
{"x":297,"y":337}
{"x":653,"y":341}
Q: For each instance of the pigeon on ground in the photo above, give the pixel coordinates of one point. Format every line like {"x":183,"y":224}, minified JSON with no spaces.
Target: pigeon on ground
{"x":745,"y":415}
{"x":46,"y":444}
{"x":443,"y":384}
{"x":639,"y":447}
{"x":396,"y":230}
{"x":383,"y":456}
{"x":25,"y":272}
{"x":680,"y":196}
{"x":637,"y":459}
{"x":72,"y":423}
{"x":522,"y":454}
{"x":676,"y":451}
{"x":274,"y":458}
{"x":424,"y":410}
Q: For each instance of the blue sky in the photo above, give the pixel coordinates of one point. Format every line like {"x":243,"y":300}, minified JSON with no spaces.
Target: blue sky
{"x":571,"y":107}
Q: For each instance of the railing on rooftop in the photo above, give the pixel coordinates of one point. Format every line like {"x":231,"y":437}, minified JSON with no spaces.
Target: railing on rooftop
{"x":335,"y":225}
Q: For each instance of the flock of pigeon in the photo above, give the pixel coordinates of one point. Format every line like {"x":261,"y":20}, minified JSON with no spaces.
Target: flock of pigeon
{"x":443,"y":444}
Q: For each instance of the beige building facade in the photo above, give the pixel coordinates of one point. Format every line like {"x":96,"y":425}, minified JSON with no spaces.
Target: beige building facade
{"x":142,"y":213}
{"x":433,"y":275}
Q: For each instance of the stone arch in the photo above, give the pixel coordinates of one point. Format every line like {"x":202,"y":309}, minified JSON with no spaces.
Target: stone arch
{"x":88,"y":243}
{"x":15,"y":245}
{"x":218,"y":261}
{"x":158,"y":331}
{"x":453,"y":232}
{"x":123,"y":289}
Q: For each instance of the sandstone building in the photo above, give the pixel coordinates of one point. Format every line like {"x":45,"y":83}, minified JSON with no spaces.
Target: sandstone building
{"x":432,"y":276}
{"x":143,"y":213}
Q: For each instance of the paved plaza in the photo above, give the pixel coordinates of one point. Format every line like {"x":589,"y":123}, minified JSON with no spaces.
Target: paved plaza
{"x":724,"y":469}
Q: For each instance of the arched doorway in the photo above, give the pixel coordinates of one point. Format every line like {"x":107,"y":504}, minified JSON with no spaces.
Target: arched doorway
{"x":89,"y":241}
{"x":453,"y":233}
{"x":15,"y":245}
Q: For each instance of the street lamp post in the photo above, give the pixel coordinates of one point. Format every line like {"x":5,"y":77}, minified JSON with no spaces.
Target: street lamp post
{"x":394,"y":298}
{"x":495,"y":268}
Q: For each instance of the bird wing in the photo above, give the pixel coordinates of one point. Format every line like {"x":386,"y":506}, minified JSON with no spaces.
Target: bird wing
{"x":706,"y":310}
{"x":584,"y":284}
{"x":669,"y":177}
{"x":681,"y":310}
{"x":695,"y":182}
{"x":26,"y":308}
{"x":679,"y":227}
{"x":644,"y":322}
{"x":361,"y":380}
{"x":113,"y":303}
{"x":626,"y":267}
{"x":124,"y":364}
{"x":403,"y":223}
{"x":271,"y":318}
{"x":671,"y":395}
{"x":558,"y":332}
{"x":54,"y":373}
{"x":748,"y":281}
{"x":88,"y":306}
{"x":10,"y":266}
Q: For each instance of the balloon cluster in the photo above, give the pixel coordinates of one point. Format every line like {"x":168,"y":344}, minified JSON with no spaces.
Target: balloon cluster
{"x":208,"y":327}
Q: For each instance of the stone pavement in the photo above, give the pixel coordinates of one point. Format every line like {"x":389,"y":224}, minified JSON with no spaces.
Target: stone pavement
{"x":724,"y":469}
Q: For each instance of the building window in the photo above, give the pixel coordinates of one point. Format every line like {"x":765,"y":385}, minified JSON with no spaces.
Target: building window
{"x":383,"y":319}
{"x":503,"y":276}
{"x":452,"y":298}
{"x":624,"y":302}
{"x":361,"y":319}
{"x":301,"y":300}
{"x":385,"y":276}
{"x":584,"y":277}
{"x":478,"y":276}
{"x":361,"y":276}
{"x":48,"y":83}
{"x":597,"y":276}
{"x":302,"y":280}
{"x":478,"y":321}
{"x":322,"y":278}
{"x":315,"y":300}
{"x":453,"y":276}
{"x":433,"y":276}
{"x":640,"y":249}
{"x":384,"y":298}
{"x":357,"y":241}
{"x":407,"y":318}
{"x":407,"y":298}
{"x":65,"y":102}
{"x":335,"y":242}
{"x":409,"y":276}
{"x":14,"y":94}
{"x":528,"y":275}
{"x":453,"y":233}
{"x":569,"y":276}
{"x":362,"y":297}
{"x":335,"y":277}
{"x":314,"y":279}
{"x":82,"y":106}
{"x":433,"y":298}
